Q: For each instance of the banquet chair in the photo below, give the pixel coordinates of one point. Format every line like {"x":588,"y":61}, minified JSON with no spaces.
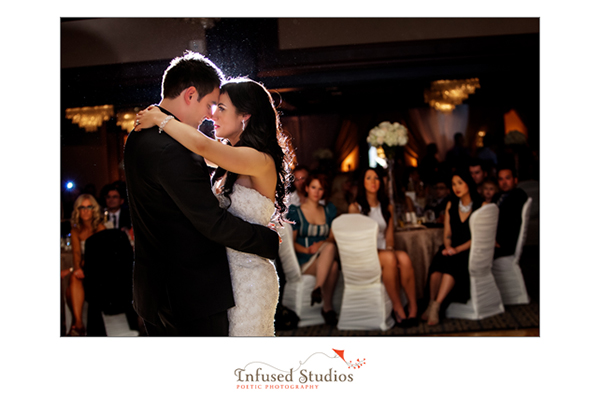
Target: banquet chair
{"x":485,"y":298}
{"x":365,"y":303}
{"x":298,"y":287}
{"x":507,"y":271}
{"x":108,"y":284}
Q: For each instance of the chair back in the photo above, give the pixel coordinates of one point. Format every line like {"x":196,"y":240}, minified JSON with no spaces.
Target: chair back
{"x":525,"y":214}
{"x":507,"y":271}
{"x":485,"y":298}
{"x":356,"y":238}
{"x":483,"y":224}
{"x":109,"y":271}
{"x":287,"y":254}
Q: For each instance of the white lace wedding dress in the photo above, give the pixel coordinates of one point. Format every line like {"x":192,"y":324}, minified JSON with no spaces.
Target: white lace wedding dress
{"x":254,"y":279}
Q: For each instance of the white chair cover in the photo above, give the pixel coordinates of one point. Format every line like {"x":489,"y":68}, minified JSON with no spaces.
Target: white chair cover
{"x":117,"y":325}
{"x":507,"y":271}
{"x":485,"y":298}
{"x":365,"y":304}
{"x":298,"y":287}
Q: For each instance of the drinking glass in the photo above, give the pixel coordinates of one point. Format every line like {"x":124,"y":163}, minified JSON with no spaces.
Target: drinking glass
{"x":430,"y":216}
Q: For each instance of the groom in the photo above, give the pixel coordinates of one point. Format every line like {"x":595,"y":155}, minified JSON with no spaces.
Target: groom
{"x":181,"y":281}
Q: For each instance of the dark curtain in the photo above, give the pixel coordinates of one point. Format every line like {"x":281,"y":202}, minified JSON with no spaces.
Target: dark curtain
{"x":347,"y":140}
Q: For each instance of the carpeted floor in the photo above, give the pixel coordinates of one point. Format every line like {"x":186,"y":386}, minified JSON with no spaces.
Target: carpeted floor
{"x":514,"y":318}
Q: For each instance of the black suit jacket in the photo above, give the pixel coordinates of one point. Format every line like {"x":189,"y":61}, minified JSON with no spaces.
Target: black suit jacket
{"x":124,"y":218}
{"x":181,"y":232}
{"x":510,"y":205}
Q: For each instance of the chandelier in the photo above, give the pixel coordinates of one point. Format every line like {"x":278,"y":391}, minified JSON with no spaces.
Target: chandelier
{"x":90,"y":118}
{"x":445,"y":95}
{"x":126,"y":119}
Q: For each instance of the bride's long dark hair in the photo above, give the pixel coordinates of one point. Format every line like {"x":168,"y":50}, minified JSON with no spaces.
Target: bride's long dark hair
{"x":264,"y":133}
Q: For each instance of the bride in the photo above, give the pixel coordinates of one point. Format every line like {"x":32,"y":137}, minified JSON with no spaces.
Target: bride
{"x":251,"y":181}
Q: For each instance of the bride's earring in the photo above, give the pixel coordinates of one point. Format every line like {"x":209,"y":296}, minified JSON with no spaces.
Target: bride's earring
{"x":243,"y":125}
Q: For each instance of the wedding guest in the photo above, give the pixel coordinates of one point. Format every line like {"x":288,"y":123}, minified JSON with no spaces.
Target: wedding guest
{"x":477,"y":173}
{"x":487,"y":153}
{"x":396,"y":268}
{"x":449,"y":274}
{"x":85,"y":221}
{"x":297,"y":193}
{"x":341,"y":197}
{"x":414,"y":183}
{"x":439,"y":199}
{"x":510,"y":201}
{"x":117,"y":212}
{"x":457,"y":156}
{"x":489,"y":189}
{"x":314,"y":243}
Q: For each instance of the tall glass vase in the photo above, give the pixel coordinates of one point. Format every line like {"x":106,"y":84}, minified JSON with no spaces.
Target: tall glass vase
{"x":391,"y":189}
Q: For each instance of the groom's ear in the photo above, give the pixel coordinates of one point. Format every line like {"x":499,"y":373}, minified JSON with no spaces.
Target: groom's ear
{"x":189,"y":95}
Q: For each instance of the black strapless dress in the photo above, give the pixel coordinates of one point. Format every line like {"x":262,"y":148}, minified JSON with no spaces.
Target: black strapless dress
{"x":458,"y":264}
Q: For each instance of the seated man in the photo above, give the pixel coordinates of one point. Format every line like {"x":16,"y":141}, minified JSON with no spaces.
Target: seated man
{"x":477,"y":173}
{"x":441,"y":196}
{"x":117,"y":212}
{"x":510,"y":201}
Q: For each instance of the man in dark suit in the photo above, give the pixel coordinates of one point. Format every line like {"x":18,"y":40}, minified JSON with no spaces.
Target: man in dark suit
{"x":181,"y":281}
{"x":117,"y":212}
{"x":510,"y":201}
{"x":441,"y":197}
{"x":478,"y":173}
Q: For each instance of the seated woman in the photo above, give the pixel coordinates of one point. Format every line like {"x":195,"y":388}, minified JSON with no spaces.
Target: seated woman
{"x":314,"y":244}
{"x":85,"y":221}
{"x":449,"y":270}
{"x":396,"y":267}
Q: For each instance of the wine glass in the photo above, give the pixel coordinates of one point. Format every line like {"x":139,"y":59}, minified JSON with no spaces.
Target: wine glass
{"x":430,"y":216}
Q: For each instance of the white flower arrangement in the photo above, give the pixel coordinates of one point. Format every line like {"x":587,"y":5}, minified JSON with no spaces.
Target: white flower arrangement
{"x":388,"y":134}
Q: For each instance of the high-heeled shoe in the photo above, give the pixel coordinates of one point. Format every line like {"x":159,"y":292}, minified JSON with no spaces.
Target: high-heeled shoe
{"x":315,"y":296}
{"x":409,"y":323}
{"x":330,"y":317}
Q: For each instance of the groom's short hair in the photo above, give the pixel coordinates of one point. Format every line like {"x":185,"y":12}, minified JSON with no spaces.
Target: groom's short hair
{"x":192,"y":69}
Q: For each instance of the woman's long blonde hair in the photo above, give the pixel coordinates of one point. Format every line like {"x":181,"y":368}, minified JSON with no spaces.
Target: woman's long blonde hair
{"x":96,"y":216}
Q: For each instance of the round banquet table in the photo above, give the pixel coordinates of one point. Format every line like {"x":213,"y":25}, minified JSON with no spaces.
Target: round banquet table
{"x":421,"y":244}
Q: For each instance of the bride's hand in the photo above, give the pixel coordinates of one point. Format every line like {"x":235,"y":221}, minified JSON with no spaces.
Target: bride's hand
{"x":148,"y":118}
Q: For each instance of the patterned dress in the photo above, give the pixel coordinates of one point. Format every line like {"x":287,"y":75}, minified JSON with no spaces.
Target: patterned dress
{"x":254,"y":279}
